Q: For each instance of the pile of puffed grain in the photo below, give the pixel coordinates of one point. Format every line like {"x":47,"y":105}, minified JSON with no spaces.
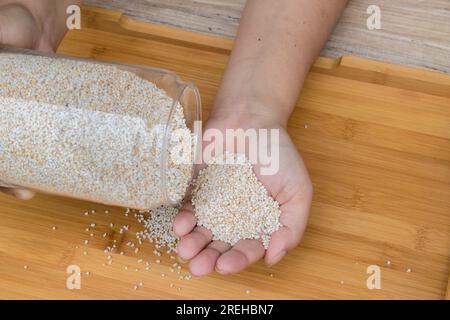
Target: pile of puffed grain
{"x":87,"y":130}
{"x":158,"y":227}
{"x":232,"y":203}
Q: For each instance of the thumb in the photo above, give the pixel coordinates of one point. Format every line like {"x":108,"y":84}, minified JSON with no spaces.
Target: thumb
{"x":17,"y":26}
{"x":185,"y":221}
{"x":22,"y":194}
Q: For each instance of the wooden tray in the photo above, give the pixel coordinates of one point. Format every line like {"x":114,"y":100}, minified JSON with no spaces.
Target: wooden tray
{"x":375,"y":137}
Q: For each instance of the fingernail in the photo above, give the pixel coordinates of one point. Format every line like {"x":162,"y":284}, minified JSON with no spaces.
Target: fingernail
{"x":220,"y":271}
{"x":181,"y":260}
{"x":277,"y":258}
{"x":22,"y":194}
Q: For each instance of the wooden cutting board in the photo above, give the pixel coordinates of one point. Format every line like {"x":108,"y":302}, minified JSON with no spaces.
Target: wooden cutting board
{"x":375,"y":137}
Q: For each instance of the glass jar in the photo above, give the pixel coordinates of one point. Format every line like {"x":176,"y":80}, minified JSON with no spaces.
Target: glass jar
{"x":117,"y":134}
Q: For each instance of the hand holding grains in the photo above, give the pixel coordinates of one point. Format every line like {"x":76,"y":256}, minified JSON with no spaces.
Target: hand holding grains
{"x":98,"y":132}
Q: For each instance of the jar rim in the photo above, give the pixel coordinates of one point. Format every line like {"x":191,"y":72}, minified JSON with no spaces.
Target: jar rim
{"x":183,"y":85}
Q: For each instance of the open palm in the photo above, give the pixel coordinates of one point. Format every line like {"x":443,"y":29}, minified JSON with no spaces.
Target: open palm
{"x":291,"y":187}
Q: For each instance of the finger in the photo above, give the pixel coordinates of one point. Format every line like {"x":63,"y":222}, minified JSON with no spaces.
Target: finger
{"x":191,"y":244}
{"x":185,"y":221}
{"x":280,"y":243}
{"x":243,"y":254}
{"x":22,"y":194}
{"x":294,"y":218}
{"x":204,"y":263}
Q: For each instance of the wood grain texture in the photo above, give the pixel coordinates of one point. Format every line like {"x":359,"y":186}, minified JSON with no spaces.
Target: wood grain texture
{"x":375,"y":137}
{"x":447,"y":295}
{"x":414,"y":33}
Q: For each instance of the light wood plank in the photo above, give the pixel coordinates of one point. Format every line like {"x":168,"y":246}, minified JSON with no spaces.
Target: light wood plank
{"x":413,"y":33}
{"x":447,"y":296}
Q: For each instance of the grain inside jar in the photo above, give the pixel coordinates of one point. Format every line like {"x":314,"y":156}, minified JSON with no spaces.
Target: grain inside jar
{"x":90,"y":131}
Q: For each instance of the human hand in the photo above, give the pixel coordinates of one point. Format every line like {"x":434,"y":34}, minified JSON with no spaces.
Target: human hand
{"x":290,"y":186}
{"x":20,"y":28}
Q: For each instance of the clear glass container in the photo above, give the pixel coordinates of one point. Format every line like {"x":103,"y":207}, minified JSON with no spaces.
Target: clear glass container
{"x":95,"y":170}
